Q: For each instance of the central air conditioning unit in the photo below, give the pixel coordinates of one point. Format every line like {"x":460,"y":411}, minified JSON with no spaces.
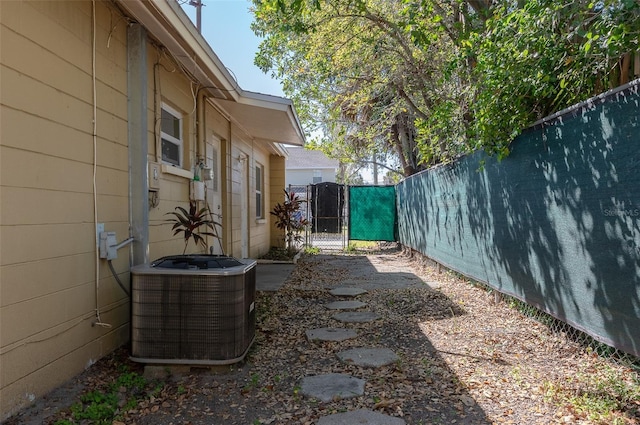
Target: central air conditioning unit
{"x":193,"y":309}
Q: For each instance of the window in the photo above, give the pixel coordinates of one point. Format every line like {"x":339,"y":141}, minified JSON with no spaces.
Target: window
{"x":317,"y":176}
{"x":171,"y":136}
{"x":259,"y":191}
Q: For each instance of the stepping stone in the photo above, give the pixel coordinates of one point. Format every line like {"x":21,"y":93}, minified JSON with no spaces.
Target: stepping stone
{"x":331,"y":334}
{"x":356,"y":316}
{"x":361,"y":416}
{"x":368,"y":357}
{"x":347,"y":292}
{"x":345,"y":305}
{"x":332,"y":386}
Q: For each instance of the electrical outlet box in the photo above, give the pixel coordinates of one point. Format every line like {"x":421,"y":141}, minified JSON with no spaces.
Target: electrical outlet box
{"x":197,"y":190}
{"x":154,"y":176}
{"x":99,"y":229}
{"x":108,"y":245}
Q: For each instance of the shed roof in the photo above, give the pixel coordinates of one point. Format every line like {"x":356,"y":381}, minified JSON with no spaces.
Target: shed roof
{"x":301,"y":158}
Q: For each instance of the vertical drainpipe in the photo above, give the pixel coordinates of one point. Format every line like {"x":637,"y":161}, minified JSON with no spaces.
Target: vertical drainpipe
{"x":138,"y":149}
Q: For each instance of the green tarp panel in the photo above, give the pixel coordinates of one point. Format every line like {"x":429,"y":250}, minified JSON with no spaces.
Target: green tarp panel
{"x":556,"y":224}
{"x":372,"y":213}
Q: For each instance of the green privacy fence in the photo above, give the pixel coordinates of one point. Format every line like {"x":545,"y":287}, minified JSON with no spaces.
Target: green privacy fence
{"x":372,"y":213}
{"x":556,"y":224}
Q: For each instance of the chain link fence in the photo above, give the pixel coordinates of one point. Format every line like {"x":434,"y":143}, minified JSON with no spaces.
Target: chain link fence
{"x":556,"y":326}
{"x":566,"y":330}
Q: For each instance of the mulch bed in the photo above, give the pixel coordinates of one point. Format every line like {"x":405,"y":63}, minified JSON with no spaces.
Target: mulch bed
{"x":464,"y":359}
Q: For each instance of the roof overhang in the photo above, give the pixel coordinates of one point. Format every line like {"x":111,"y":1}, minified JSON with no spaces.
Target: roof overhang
{"x":265,"y":118}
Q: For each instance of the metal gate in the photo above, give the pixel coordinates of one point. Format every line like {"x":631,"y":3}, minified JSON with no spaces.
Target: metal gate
{"x":338,"y":213}
{"x":325,"y":208}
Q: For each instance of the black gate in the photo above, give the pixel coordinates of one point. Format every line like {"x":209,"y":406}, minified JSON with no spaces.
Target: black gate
{"x":325,"y":208}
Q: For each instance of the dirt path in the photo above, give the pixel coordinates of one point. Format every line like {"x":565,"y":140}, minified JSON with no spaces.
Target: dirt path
{"x":463,"y":359}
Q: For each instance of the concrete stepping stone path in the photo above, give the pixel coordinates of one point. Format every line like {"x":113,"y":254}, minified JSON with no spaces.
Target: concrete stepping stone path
{"x":333,"y":386}
{"x":368,"y":357}
{"x":360,"y":417}
{"x":345,"y":305}
{"x":347,"y":292}
{"x":356,"y":316}
{"x":331,"y":334}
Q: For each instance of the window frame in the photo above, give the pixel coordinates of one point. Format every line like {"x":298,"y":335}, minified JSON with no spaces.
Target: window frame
{"x":169,"y":138}
{"x":259,"y":190}
{"x":317,"y":176}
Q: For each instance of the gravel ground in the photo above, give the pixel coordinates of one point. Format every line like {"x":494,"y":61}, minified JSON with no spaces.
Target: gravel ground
{"x":463,"y":359}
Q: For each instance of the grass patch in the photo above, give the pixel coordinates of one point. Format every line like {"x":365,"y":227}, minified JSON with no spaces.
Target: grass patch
{"x":604,"y":396}
{"x":109,"y":402}
{"x":355,"y":246}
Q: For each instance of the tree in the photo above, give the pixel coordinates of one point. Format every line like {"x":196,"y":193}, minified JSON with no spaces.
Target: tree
{"x":544,"y":56}
{"x":428,"y":80}
{"x":356,"y":73}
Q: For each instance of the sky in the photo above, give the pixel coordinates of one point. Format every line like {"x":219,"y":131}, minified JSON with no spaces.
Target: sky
{"x":226,"y":27}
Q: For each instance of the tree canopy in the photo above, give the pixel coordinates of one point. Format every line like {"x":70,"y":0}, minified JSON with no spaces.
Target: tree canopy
{"x":413,"y":83}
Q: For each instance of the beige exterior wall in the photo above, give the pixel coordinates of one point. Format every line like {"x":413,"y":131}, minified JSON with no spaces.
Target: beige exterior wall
{"x":49,"y":294}
{"x":48,"y":288}
{"x":276,"y":187}
{"x":305,"y":176}
{"x":245,"y":154}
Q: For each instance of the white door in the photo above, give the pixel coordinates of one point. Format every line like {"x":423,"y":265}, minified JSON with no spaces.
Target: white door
{"x":244,"y":204}
{"x":214,"y":188}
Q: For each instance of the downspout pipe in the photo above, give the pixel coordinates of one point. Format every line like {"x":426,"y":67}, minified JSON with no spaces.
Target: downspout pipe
{"x":201,"y":135}
{"x":137,"y":129}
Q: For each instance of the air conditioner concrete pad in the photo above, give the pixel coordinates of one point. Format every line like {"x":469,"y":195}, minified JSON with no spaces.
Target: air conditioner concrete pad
{"x":356,"y":316}
{"x":361,"y":416}
{"x":331,"y":334}
{"x":345,"y":305}
{"x":347,"y":292}
{"x":368,"y":357}
{"x":333,"y":386}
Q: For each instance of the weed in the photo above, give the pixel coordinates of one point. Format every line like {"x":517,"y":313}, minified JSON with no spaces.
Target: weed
{"x":96,"y":406}
{"x":296,"y":392}
{"x":516,"y":374}
{"x":103,"y":406}
{"x":600,"y":397}
{"x":312,"y":250}
{"x":255,"y":381}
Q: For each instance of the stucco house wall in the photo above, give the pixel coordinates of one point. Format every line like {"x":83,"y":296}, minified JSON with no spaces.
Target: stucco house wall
{"x":63,"y":69}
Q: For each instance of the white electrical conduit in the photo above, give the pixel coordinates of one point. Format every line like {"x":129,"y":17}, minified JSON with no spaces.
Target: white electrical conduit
{"x":98,"y":321}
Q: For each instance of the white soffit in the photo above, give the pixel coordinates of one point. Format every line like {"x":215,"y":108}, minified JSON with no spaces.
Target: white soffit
{"x":264,"y":117}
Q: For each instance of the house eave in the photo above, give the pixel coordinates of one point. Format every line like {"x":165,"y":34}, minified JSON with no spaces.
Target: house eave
{"x":263,"y":117}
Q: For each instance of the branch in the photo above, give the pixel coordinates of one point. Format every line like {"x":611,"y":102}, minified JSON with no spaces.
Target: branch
{"x":379,"y":164}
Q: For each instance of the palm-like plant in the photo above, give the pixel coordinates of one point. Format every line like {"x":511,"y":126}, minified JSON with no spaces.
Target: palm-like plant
{"x":189,"y":223}
{"x":288,"y":219}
